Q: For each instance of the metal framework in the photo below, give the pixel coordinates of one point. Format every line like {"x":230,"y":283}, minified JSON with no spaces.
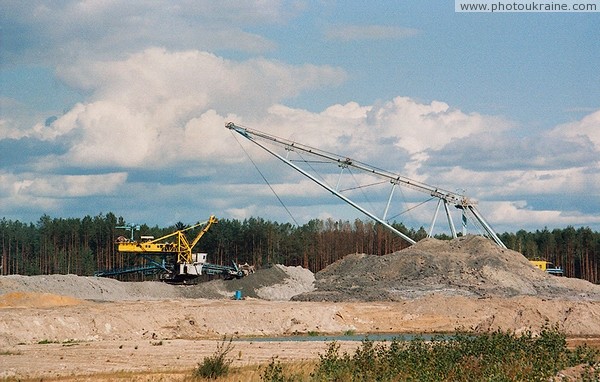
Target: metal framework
{"x":445,"y":198}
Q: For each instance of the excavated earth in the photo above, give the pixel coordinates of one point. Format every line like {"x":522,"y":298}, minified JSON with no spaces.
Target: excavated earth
{"x":471,"y":266}
{"x":66,"y":326}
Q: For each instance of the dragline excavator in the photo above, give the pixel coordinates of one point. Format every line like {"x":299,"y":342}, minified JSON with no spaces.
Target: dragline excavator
{"x":307,"y":155}
{"x":172,"y":256}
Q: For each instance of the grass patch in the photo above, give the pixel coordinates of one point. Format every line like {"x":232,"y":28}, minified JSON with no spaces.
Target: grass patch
{"x":46,"y":342}
{"x":274,"y":372}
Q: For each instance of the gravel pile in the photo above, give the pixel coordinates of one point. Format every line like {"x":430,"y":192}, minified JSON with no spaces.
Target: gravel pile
{"x":467,"y":266}
{"x":275,"y":283}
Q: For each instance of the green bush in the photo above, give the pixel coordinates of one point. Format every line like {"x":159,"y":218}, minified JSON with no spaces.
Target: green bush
{"x":217,"y":365}
{"x":494,"y":356}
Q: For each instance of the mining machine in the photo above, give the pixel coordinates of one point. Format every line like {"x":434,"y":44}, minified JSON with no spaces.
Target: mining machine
{"x":172,"y":256}
{"x":307,"y":155}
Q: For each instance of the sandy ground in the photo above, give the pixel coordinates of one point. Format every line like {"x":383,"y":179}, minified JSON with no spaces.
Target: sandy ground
{"x":75,"y":337}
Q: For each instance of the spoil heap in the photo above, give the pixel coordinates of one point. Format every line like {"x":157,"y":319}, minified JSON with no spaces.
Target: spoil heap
{"x":274,"y":283}
{"x":466,"y":266}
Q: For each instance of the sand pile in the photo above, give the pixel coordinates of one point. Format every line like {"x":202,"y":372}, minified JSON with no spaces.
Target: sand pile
{"x":87,"y":288}
{"x":275,"y":283}
{"x":466,"y":266}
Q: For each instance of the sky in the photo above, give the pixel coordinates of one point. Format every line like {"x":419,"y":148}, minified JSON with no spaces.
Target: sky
{"x":121,"y":106}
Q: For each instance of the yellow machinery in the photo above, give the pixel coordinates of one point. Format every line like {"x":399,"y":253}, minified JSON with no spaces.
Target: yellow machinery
{"x":172,"y":256}
{"x":547,"y":267}
{"x":179,"y":245}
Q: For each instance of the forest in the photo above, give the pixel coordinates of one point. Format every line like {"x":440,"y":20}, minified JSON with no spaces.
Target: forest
{"x":83,"y":246}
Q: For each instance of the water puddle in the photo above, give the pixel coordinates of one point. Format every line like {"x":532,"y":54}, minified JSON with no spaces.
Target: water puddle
{"x":343,"y":337}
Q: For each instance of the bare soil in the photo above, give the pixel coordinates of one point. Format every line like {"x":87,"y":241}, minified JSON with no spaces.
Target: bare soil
{"x":70,"y":326}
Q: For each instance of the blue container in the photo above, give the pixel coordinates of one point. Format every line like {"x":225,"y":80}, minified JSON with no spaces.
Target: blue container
{"x":238,"y":294}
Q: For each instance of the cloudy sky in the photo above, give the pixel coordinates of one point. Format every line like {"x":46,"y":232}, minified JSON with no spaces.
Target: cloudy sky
{"x":120,"y":106}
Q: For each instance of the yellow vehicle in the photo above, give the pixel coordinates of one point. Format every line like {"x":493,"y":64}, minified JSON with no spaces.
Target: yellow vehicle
{"x":172,"y":256}
{"x":547,"y":267}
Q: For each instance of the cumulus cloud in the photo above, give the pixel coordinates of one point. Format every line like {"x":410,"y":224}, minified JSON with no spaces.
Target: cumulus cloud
{"x":582,"y":132}
{"x":399,"y":135}
{"x":157,"y":107}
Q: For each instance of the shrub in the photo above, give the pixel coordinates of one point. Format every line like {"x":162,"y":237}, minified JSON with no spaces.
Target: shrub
{"x":494,"y":356}
{"x":217,"y":365}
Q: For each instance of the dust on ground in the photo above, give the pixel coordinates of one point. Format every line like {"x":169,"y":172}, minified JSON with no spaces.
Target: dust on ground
{"x":95,"y":325}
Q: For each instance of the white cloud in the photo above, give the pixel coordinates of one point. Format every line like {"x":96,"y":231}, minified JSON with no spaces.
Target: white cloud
{"x":35,"y":193}
{"x":502,"y":184}
{"x":515,"y":215}
{"x":167,"y":109}
{"x":588,"y":129}
{"x":398,"y":135}
{"x":157,"y":107}
{"x":63,"y":186}
{"x":422,"y":127}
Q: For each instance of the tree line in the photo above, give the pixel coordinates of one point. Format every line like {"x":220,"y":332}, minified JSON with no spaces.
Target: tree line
{"x":84,"y":246}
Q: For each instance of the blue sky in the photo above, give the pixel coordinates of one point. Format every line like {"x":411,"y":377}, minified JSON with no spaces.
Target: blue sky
{"x":120,"y":107}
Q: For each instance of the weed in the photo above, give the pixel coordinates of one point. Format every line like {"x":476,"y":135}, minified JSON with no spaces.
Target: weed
{"x":46,"y":342}
{"x":71,"y":342}
{"x":273,"y":372}
{"x":217,"y":365}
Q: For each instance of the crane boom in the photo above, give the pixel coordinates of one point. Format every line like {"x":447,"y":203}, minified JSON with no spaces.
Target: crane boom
{"x":447,"y":197}
{"x":181,"y":246}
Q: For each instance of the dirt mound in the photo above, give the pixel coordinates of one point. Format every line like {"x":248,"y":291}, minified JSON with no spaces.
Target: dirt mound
{"x":466,"y":266}
{"x":87,"y":288}
{"x":275,"y":283}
